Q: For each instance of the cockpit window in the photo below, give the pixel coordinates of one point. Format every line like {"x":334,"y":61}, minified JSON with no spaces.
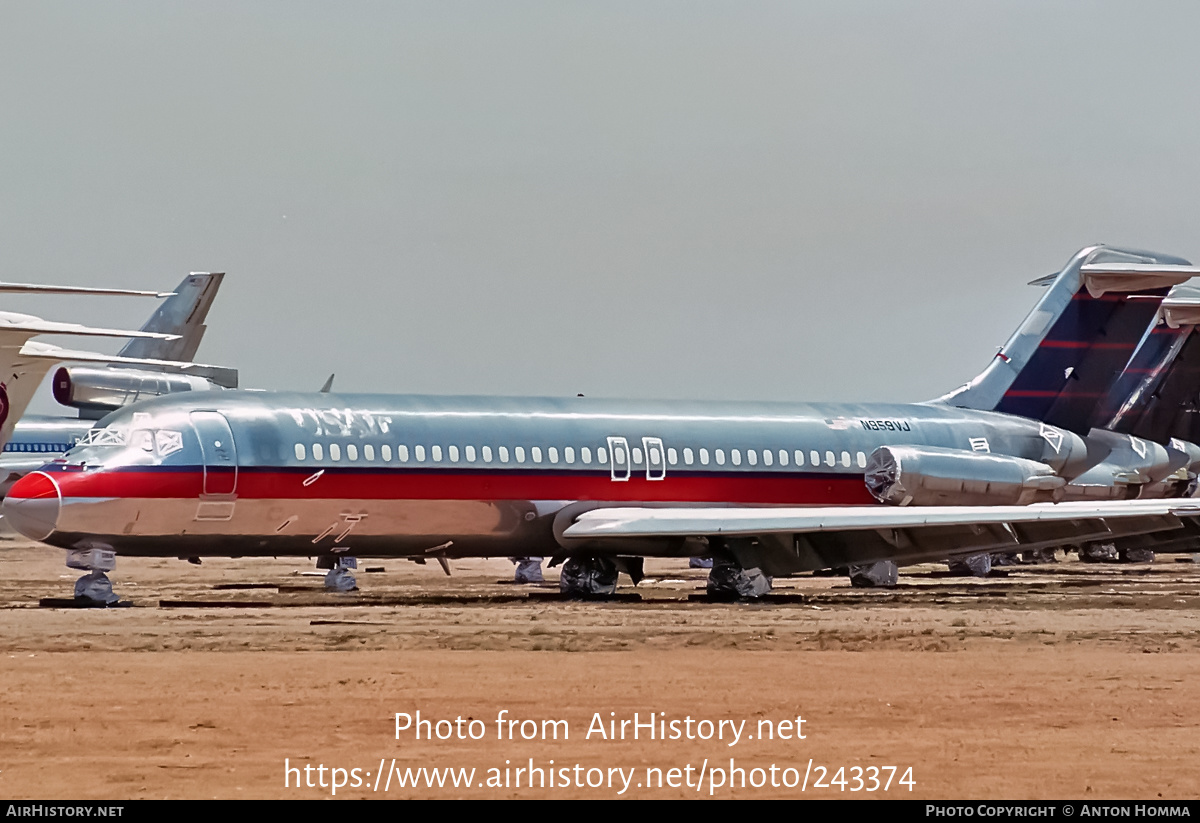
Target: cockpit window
{"x":168,"y":441}
{"x":122,"y":444}
{"x":104,"y":437}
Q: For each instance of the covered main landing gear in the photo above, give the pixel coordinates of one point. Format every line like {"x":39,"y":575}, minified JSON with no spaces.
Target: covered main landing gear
{"x":1135,"y":555}
{"x":588,"y":577}
{"x":734,"y":574}
{"x":728,"y":580}
{"x":94,"y":588}
{"x":974,"y":565}
{"x":1115,"y":553}
{"x":882,"y":574}
{"x":1099,"y":553}
{"x":339,"y":578}
{"x":596,"y":576}
{"x":529,"y":569}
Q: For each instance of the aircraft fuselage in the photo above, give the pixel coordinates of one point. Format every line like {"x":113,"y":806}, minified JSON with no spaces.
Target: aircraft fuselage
{"x":249,"y":473}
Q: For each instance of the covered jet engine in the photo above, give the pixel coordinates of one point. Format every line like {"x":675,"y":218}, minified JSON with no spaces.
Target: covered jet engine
{"x":928,"y":476}
{"x":98,"y":391}
{"x":1181,"y":482}
{"x":1131,"y":467}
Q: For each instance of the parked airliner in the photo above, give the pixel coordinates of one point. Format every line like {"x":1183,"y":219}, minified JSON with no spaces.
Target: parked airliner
{"x":95,"y":390}
{"x":764,"y":488}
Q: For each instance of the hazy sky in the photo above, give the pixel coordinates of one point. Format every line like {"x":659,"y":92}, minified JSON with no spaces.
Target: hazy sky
{"x":785,"y":201}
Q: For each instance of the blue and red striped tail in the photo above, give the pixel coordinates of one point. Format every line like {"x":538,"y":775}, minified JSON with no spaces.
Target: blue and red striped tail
{"x":1074,"y":361}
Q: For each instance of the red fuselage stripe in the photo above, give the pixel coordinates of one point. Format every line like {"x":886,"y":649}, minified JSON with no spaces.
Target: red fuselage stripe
{"x":733,"y":487}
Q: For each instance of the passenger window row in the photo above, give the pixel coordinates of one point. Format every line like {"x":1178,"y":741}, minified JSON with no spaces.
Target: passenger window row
{"x":569,"y":455}
{"x":469,"y":454}
{"x":768,"y":457}
{"x":36,"y":447}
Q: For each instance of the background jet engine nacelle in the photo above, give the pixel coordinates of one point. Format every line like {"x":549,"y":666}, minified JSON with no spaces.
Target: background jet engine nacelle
{"x":1128,"y":467}
{"x":1184,"y":455}
{"x":96,"y":392}
{"x":927,"y":476}
{"x":1064,"y":451}
{"x":1185,"y":460}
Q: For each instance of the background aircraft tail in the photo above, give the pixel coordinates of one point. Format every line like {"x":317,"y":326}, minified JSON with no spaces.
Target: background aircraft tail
{"x":150,"y":367}
{"x":181,"y":314}
{"x":23,"y":362}
{"x":1157,"y":397}
{"x":1064,"y":363}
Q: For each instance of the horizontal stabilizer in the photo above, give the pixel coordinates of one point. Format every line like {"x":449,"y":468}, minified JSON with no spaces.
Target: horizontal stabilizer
{"x":30,"y":325}
{"x":688,"y":522}
{"x":18,"y":288}
{"x":1102,"y":278}
{"x":1182,"y":307}
{"x":222,"y":376}
{"x":34,"y":350}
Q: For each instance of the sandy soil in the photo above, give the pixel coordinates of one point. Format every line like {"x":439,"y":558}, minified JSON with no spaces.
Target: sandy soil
{"x":1070,"y":680}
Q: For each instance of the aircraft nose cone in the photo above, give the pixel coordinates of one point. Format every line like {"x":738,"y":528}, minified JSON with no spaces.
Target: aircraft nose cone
{"x":32,"y":505}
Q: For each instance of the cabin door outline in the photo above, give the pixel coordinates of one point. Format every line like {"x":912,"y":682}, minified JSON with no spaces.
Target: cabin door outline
{"x":620,"y":462}
{"x":218,"y":455}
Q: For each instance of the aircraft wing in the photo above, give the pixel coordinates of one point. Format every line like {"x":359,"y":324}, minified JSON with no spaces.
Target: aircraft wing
{"x":783,"y":540}
{"x":682,"y":522}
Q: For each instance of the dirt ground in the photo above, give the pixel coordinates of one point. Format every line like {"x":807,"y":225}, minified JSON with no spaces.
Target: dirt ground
{"x":1060,"y":681}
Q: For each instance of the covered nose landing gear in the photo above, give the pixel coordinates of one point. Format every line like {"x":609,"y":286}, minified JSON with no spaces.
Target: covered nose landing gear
{"x":94,"y":589}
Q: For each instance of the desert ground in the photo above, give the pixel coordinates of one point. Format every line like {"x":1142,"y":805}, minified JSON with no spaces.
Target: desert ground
{"x":1069,"y":680}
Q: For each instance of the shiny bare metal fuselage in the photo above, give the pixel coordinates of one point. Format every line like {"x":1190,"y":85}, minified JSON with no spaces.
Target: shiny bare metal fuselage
{"x":391,"y":475}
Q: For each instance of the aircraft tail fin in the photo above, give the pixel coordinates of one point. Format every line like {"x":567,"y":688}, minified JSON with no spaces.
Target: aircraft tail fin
{"x":1063,"y":360}
{"x":181,"y":314}
{"x":24,"y":362}
{"x":1155,"y":397}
